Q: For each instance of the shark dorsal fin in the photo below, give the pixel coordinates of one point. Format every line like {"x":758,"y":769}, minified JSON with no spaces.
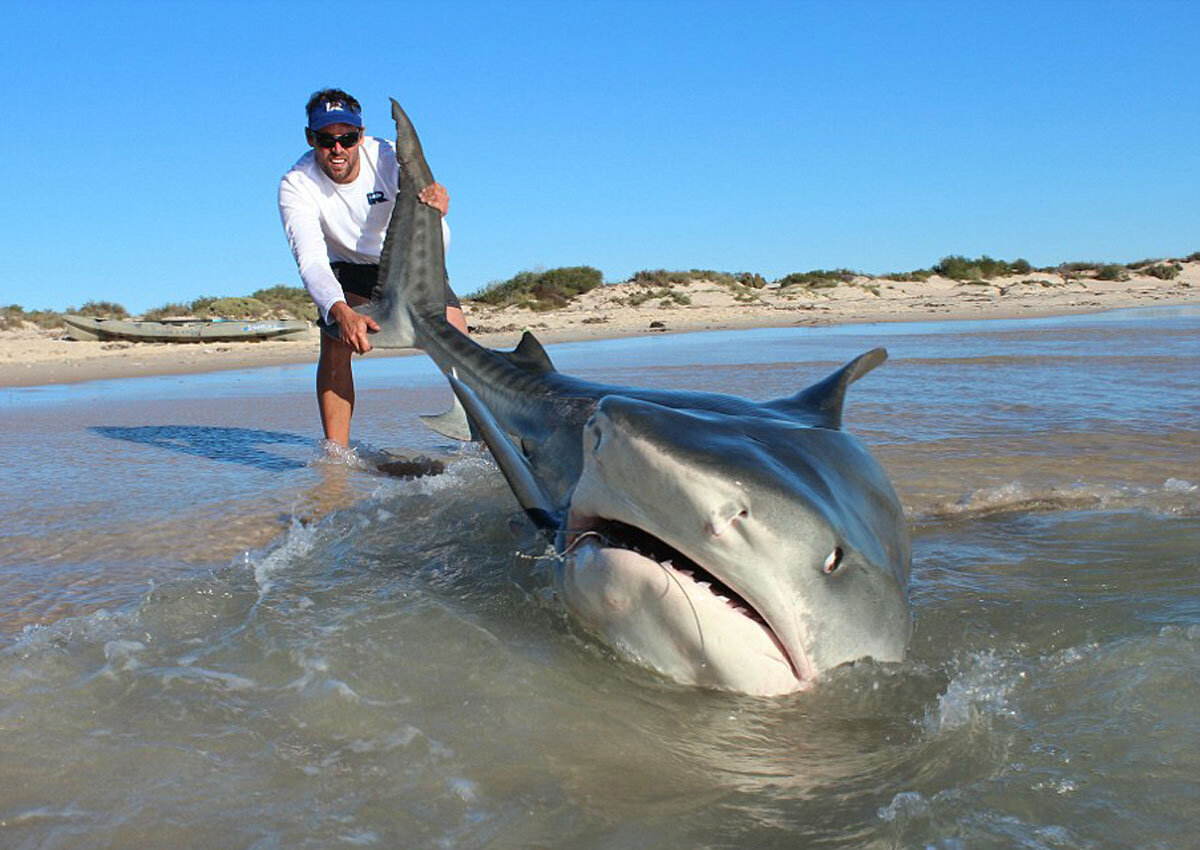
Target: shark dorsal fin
{"x":530,"y":355}
{"x":821,"y":404}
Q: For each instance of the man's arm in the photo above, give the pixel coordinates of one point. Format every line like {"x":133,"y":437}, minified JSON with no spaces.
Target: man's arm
{"x":302,"y":226}
{"x":353,"y":326}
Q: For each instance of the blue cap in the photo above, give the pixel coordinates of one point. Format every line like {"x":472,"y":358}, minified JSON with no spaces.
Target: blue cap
{"x":333,"y":111}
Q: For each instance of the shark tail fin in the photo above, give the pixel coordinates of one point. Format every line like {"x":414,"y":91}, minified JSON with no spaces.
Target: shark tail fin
{"x":412,"y":284}
{"x":821,"y":404}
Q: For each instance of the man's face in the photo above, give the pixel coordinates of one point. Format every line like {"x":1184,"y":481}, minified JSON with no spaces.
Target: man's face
{"x":339,"y":163}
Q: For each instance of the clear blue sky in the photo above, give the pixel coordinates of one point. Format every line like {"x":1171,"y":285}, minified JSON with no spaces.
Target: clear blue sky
{"x":149,"y":137}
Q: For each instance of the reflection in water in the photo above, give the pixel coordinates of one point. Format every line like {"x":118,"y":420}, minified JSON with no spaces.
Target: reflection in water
{"x":228,"y":445}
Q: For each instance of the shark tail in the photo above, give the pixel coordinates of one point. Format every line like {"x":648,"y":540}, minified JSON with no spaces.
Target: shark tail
{"x":412,"y":284}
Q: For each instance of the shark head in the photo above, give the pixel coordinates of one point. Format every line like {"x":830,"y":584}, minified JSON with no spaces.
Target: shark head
{"x":743,"y":550}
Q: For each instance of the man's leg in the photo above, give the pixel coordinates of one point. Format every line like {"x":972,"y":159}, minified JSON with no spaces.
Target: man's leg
{"x":335,"y":390}
{"x":335,"y":384}
{"x":454,"y":315}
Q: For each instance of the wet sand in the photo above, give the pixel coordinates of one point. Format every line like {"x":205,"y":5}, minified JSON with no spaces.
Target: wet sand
{"x":32,"y":357}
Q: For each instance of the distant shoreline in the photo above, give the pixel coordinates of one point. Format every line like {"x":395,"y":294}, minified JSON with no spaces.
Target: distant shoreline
{"x":33,"y":357}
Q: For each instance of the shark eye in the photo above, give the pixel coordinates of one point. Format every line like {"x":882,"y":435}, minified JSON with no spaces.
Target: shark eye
{"x":832,"y":562}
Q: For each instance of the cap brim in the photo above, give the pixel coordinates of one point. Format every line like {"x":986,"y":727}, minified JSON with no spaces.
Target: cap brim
{"x":320,"y":120}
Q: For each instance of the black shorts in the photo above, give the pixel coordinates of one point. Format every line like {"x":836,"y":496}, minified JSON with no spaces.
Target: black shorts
{"x":360,"y":279}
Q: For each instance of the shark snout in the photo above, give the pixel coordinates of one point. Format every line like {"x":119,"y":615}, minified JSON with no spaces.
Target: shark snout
{"x":651,"y":453}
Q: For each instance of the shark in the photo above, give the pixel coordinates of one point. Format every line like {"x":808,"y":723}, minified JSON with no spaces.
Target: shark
{"x":719,"y":541}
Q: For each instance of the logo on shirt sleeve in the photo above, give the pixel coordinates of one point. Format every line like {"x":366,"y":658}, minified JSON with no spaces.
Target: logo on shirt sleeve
{"x":374,"y":198}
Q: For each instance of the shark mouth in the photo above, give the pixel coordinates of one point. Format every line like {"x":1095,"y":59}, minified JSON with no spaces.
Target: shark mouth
{"x":693,"y":579}
{"x":620,"y":535}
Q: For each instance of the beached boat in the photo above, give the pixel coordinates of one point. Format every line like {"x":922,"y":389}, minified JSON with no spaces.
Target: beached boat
{"x":184,"y":330}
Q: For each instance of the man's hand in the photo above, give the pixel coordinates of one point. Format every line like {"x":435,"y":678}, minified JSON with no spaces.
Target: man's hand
{"x":353,"y":326}
{"x":436,"y":196}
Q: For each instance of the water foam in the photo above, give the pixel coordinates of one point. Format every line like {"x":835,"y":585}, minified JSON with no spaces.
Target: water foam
{"x":334,"y":454}
{"x":94,"y":627}
{"x":203,"y":675}
{"x":980,"y":691}
{"x":297,"y":541}
{"x":904,"y":806}
{"x":121,"y":657}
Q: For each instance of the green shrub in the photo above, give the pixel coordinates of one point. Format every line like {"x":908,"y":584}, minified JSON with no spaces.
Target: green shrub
{"x":12,"y":317}
{"x":817,"y":278}
{"x":167,"y":311}
{"x":1163,"y":271}
{"x":958,"y":267}
{"x":238,"y":307}
{"x":1193,"y":257}
{"x":1112,"y":271}
{"x":1021,"y":266}
{"x":1079,"y":267}
{"x":46,"y":318}
{"x":541,"y":290}
{"x":662,"y":277}
{"x":100,"y":310}
{"x":915,"y":276}
{"x":752,"y":280}
{"x":659,"y":277}
{"x":293,"y":301}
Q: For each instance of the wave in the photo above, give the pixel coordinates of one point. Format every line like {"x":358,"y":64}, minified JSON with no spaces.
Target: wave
{"x":1174,"y":497}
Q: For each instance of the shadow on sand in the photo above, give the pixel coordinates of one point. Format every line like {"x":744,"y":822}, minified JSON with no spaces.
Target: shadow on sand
{"x":227,"y":445}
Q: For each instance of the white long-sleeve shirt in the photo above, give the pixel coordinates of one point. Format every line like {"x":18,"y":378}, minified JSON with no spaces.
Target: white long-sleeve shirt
{"x":329,"y":222}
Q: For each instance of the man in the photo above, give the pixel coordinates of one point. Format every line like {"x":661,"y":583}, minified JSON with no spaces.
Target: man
{"x":335,"y":203}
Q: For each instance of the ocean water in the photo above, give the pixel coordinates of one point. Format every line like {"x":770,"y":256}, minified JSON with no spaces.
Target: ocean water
{"x":211,"y":634}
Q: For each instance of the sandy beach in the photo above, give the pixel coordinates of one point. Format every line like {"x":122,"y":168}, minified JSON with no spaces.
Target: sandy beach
{"x":32,"y":356}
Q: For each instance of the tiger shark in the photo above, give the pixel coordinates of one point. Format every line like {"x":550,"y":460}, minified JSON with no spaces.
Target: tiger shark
{"x":720,"y":541}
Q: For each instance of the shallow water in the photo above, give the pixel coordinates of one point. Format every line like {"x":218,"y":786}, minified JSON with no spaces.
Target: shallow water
{"x":210,"y":635}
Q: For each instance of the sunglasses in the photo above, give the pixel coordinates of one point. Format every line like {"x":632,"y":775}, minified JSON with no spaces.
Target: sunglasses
{"x":346,"y":140}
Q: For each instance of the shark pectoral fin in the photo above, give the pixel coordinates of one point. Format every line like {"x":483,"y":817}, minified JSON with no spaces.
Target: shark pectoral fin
{"x":525,"y":485}
{"x":454,"y":423}
{"x":821,"y":404}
